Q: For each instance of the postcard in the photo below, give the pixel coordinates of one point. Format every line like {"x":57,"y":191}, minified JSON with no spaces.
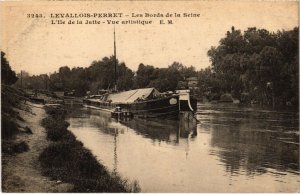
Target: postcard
{"x":150,"y":96}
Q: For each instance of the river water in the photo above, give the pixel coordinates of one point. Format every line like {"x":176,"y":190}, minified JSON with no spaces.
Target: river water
{"x":231,"y":149}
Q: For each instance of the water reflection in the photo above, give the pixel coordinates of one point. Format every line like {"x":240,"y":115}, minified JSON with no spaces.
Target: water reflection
{"x":254,"y":151}
{"x":157,"y":130}
{"x":115,"y":165}
{"x":233,"y":149}
{"x":254,"y":141}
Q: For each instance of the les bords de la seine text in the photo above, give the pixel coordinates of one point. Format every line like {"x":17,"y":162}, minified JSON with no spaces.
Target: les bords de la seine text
{"x":91,"y":18}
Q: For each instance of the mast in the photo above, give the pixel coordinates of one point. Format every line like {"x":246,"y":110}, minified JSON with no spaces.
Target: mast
{"x":115,"y":60}
{"x":21,"y":79}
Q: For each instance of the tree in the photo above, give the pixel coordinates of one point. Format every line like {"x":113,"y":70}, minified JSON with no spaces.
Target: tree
{"x":144,"y":75}
{"x":125,"y":77}
{"x":269,"y":76}
{"x":7,"y":75}
{"x":261,"y":63}
{"x":166,"y":79}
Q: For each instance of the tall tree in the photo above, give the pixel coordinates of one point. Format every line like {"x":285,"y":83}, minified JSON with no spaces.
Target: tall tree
{"x":144,"y":75}
{"x":258,"y":62}
{"x":8,"y":76}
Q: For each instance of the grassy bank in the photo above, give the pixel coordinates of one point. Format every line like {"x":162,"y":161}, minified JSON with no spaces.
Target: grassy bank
{"x":12,"y":100}
{"x":67,"y":160}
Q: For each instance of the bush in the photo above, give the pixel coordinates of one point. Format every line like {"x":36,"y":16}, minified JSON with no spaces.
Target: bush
{"x":12,"y":148}
{"x":55,"y":128}
{"x":21,"y":147}
{"x":8,"y":127}
{"x":71,"y":162}
{"x":56,"y":112}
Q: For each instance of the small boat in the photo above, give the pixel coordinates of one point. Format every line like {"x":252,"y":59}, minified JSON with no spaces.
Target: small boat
{"x":118,"y":113}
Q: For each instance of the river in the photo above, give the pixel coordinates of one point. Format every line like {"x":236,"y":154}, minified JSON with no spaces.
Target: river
{"x":231,"y":149}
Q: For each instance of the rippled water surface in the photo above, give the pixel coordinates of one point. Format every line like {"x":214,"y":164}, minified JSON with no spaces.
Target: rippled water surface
{"x":232,"y":149}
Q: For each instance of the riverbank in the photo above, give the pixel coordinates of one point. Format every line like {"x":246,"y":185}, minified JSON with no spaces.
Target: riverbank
{"x":21,"y":169}
{"x":22,"y":140}
{"x":28,"y":148}
{"x":66,"y":160}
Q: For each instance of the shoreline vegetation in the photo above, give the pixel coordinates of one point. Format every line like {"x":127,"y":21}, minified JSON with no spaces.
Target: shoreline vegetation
{"x":253,"y":66}
{"x":67,"y":160}
{"x":10,"y":119}
{"x":39,"y":154}
{"x":22,"y":140}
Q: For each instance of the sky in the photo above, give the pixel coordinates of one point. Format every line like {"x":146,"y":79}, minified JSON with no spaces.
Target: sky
{"x":37,"y":46}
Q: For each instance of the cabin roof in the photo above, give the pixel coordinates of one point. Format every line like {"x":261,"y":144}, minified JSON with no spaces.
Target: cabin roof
{"x":132,"y":95}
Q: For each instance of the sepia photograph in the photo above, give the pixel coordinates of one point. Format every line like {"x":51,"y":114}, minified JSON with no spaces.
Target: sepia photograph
{"x":150,"y":96}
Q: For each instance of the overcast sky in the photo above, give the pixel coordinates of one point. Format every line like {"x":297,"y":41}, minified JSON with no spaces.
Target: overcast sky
{"x":37,"y":46}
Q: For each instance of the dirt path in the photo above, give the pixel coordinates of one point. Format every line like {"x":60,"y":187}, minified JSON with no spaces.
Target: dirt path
{"x":22,"y":172}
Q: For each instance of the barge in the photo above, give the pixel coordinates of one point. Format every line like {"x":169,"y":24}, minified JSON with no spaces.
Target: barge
{"x":145,"y":103}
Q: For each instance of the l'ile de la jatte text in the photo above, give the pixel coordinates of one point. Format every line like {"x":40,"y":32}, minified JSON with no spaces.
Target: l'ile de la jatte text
{"x":115,"y":18}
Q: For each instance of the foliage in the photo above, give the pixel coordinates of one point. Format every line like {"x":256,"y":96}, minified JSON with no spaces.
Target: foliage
{"x":144,"y":75}
{"x":13,"y":148}
{"x":100,"y":76}
{"x":10,"y":98}
{"x":7,"y":75}
{"x":37,"y":82}
{"x":164,"y":79}
{"x":259,"y":63}
{"x":55,"y":129}
{"x":80,"y":80}
{"x":8,"y":127}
